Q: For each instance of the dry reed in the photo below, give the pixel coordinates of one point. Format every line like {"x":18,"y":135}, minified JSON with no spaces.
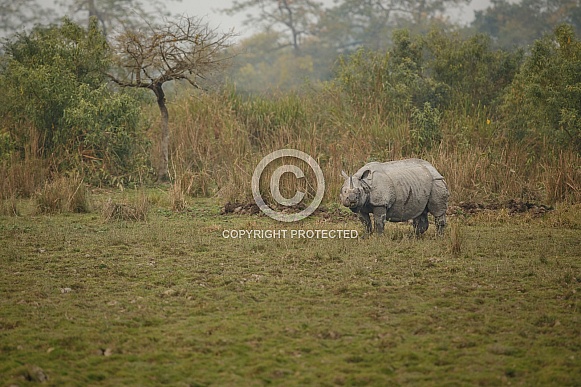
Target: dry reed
{"x":63,"y":194}
{"x":125,"y":210}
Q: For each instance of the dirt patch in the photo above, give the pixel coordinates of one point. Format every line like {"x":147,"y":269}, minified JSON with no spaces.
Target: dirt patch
{"x":513,"y":206}
{"x":239,"y":208}
{"x":252,"y":209}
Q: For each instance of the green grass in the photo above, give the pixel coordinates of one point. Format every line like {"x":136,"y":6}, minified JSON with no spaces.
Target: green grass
{"x":171,"y":302}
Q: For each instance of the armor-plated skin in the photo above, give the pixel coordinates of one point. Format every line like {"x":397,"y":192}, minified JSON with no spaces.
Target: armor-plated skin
{"x":397,"y":191}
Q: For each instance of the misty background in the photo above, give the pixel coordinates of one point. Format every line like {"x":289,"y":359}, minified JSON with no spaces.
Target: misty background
{"x":281,"y":45}
{"x":212,"y":11}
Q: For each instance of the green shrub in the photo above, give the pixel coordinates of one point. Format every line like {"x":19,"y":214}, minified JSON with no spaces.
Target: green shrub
{"x":54,"y":80}
{"x":393,"y":81}
{"x":442,"y":69}
{"x":544,"y":100}
{"x":108,"y":134}
{"x":42,"y":72}
{"x":476,"y":73}
{"x":425,"y":131}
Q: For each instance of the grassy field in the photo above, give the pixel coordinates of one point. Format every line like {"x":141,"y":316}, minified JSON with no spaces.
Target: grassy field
{"x":170,"y":301}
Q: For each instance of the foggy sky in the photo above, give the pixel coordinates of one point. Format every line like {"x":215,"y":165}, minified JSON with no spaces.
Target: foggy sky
{"x":210,"y":11}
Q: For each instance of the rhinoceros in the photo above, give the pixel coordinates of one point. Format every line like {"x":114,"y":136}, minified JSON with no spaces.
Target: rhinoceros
{"x":397,"y":191}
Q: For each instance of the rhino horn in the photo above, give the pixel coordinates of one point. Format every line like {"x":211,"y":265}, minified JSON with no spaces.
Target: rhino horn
{"x":351,"y":182}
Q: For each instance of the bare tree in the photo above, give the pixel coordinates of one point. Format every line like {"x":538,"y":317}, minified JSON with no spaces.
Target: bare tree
{"x":186,"y":49}
{"x":297,"y":17}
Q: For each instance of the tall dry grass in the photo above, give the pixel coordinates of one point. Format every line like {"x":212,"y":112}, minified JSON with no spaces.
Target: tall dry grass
{"x":23,"y":173}
{"x":22,"y":178}
{"x":456,"y":239}
{"x":562,"y":178}
{"x":63,"y":194}
{"x":135,"y":210}
{"x":219,"y":138}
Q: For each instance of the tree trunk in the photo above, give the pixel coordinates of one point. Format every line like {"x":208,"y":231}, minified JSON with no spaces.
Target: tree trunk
{"x":163,"y":170}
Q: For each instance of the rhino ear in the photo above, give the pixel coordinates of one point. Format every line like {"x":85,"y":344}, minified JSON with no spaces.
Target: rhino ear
{"x":366,"y":174}
{"x":345,"y":176}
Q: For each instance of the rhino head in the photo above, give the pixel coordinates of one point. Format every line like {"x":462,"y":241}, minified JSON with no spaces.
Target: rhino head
{"x":355,"y":190}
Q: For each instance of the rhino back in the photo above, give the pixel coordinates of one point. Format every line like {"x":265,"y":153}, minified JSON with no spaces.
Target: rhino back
{"x":410,"y":163}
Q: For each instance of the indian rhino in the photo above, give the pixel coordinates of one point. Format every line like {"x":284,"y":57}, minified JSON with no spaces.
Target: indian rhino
{"x":397,"y":191}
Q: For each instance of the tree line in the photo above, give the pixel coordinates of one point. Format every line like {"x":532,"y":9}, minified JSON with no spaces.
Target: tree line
{"x":76,"y":91}
{"x":301,"y":39}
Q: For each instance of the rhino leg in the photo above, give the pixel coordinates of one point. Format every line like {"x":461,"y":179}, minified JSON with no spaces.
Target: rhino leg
{"x":440,"y":224}
{"x":421,"y":223}
{"x":379,"y":215}
{"x":364,"y":218}
{"x":438,"y":204}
